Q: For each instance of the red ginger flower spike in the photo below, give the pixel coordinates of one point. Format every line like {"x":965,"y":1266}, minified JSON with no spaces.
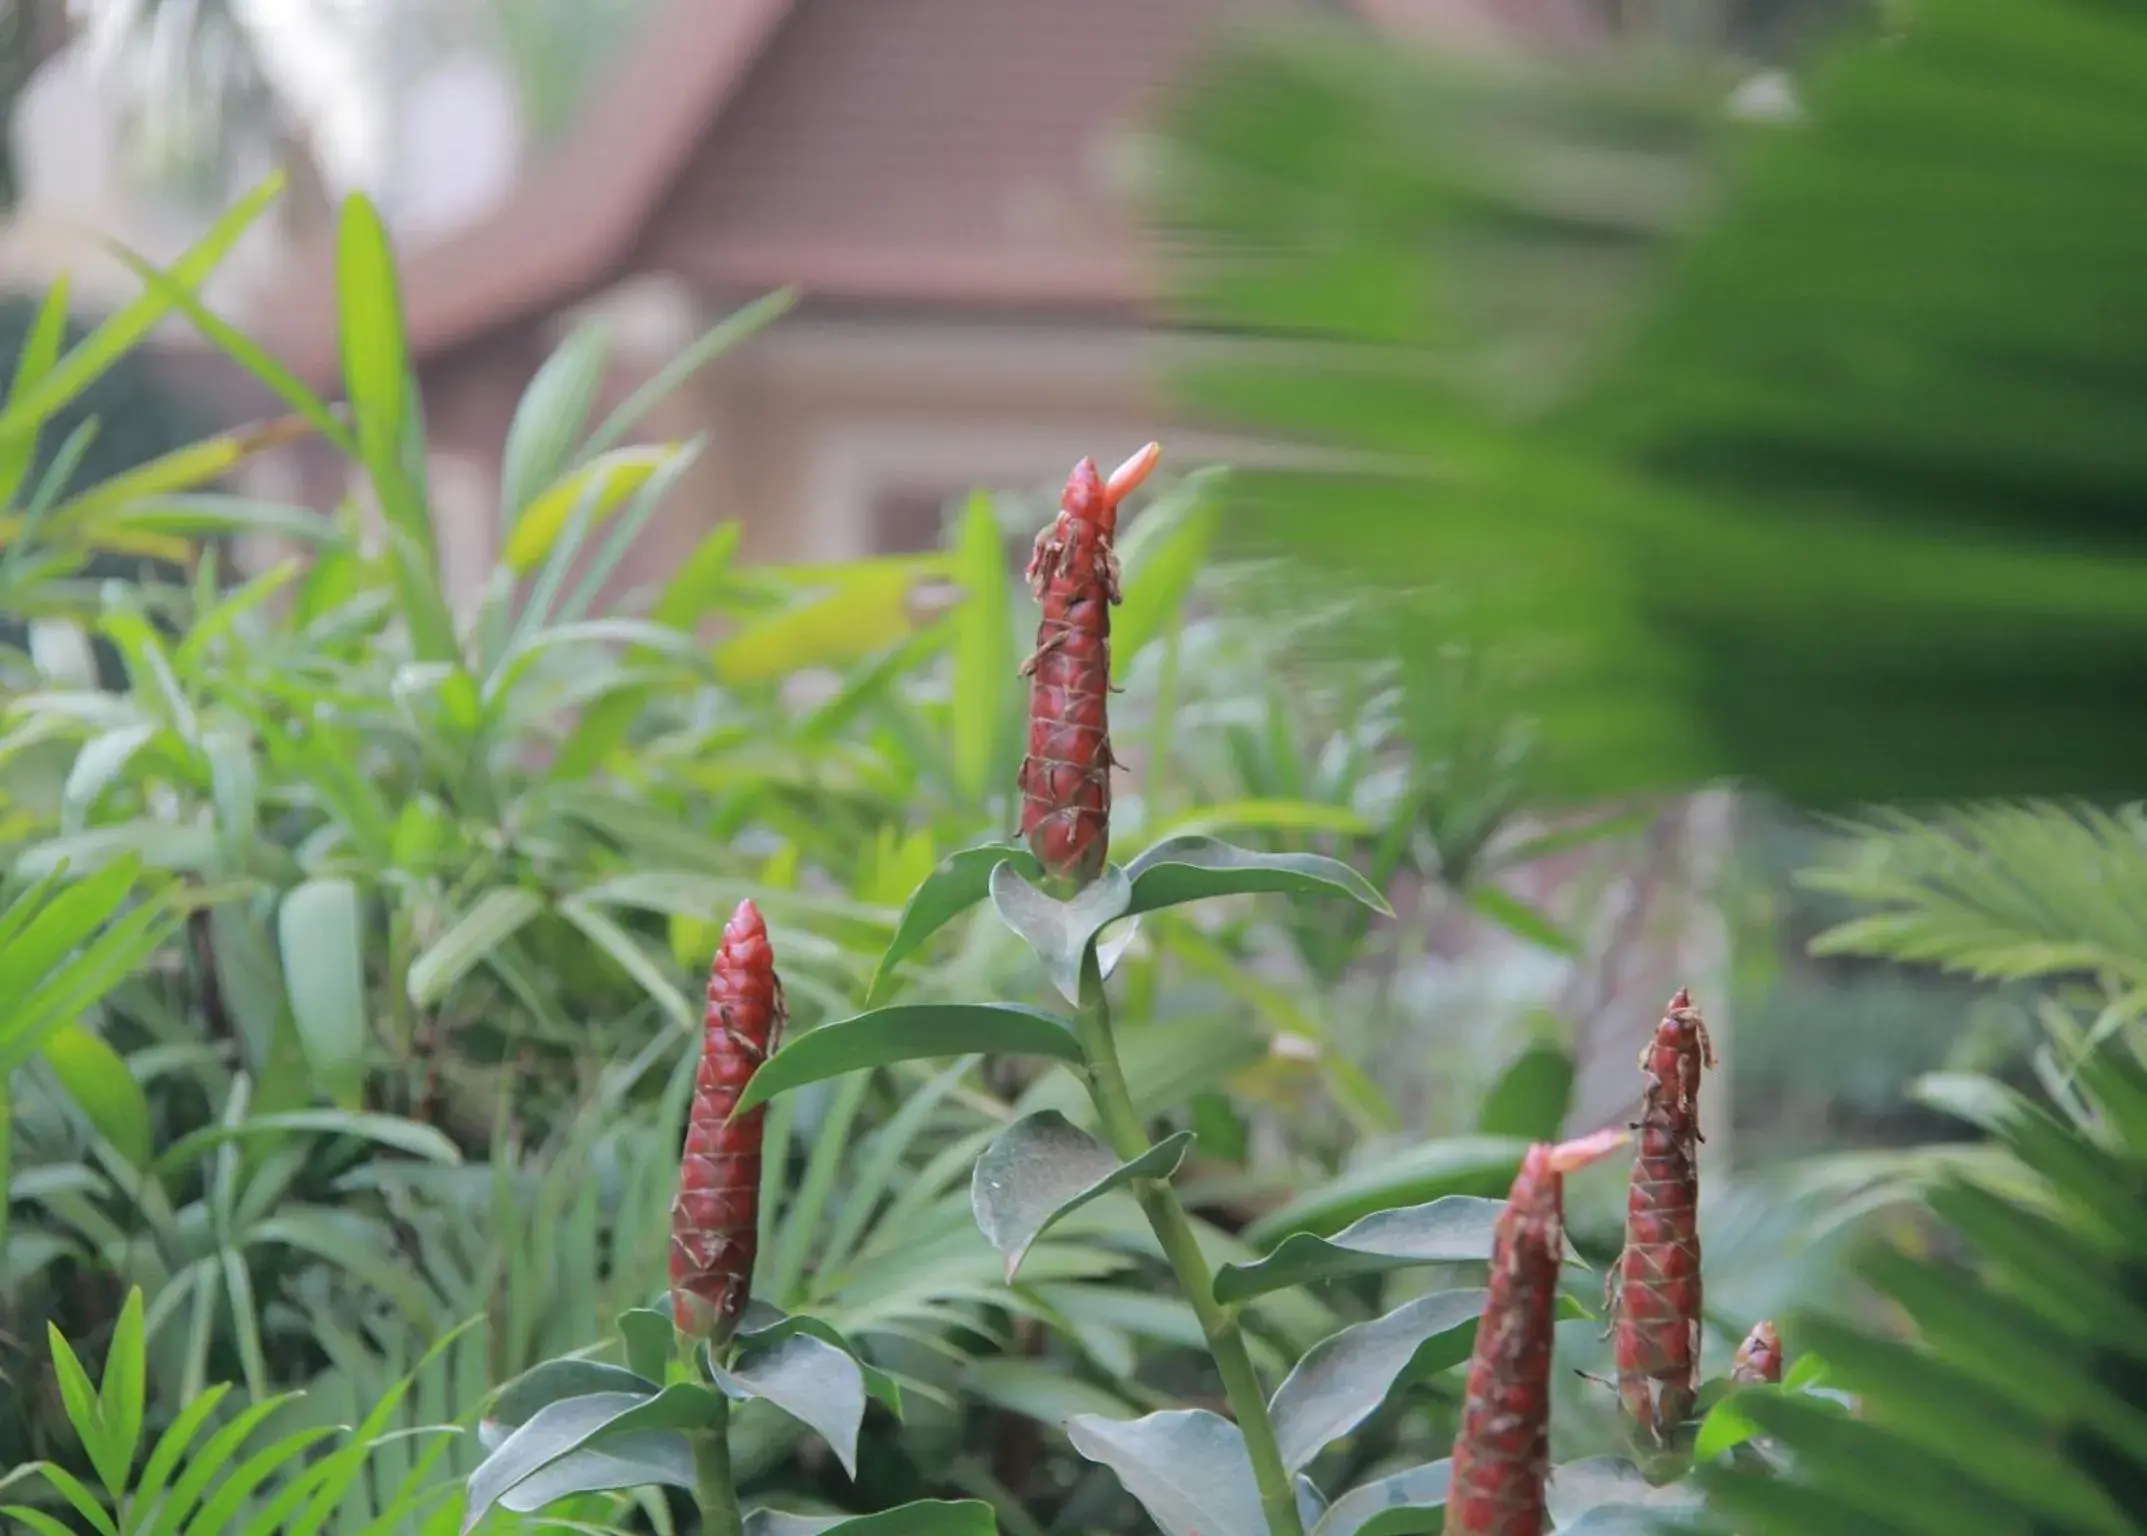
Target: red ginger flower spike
{"x":1653,"y":1295}
{"x":1502,"y":1454}
{"x":715,"y":1219}
{"x":1066,"y":777}
{"x":1759,"y":1357}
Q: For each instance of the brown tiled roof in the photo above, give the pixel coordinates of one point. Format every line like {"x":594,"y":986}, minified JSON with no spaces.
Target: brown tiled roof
{"x":943,"y":152}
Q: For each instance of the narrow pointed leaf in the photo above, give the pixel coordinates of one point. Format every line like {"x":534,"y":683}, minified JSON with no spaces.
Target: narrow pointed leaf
{"x":649,"y":1335}
{"x":1343,"y":1379}
{"x":1044,"y":1166}
{"x":97,"y":1078}
{"x":956,"y":884}
{"x":1531,"y":1097}
{"x":1060,"y":932}
{"x":811,"y":1380}
{"x":489,"y":922}
{"x":1193,"y":868}
{"x":1187,"y":1467}
{"x":1400,"y":1504}
{"x":909,"y":1032}
{"x":1454,"y":1229}
{"x":1460,"y":1165}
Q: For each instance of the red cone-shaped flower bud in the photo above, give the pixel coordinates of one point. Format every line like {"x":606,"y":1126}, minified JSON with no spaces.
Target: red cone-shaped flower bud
{"x":1654,"y":1293}
{"x":1503,"y":1451}
{"x":715,"y":1219}
{"x":1759,"y":1358}
{"x":1066,"y":777}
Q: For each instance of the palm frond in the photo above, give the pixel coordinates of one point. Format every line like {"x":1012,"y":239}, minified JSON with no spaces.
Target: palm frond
{"x":2001,"y":892}
{"x":1808,"y":453}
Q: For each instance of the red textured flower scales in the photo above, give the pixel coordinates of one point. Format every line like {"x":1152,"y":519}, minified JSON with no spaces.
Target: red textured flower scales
{"x":1066,"y":776}
{"x":1503,"y":1450}
{"x":715,"y":1218}
{"x":1653,"y":1295}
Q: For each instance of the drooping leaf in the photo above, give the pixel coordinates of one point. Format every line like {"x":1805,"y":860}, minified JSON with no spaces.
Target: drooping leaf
{"x":635,"y":1459}
{"x":554,"y":1381}
{"x":909,"y":1032}
{"x":1043,"y":1167}
{"x":1454,"y":1229}
{"x":1049,"y":1396}
{"x":1193,"y":868}
{"x":1187,"y":1467}
{"x":560,"y":1428}
{"x":1406,"y":1503}
{"x":1060,"y":932}
{"x":956,"y":884}
{"x":925,"y":1517}
{"x":1342,"y":1380}
{"x":764,"y":1326}
{"x":811,"y":1380}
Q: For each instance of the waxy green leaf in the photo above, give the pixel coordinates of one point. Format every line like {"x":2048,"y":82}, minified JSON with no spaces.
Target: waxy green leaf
{"x":1043,"y":1167}
{"x":909,"y":1032}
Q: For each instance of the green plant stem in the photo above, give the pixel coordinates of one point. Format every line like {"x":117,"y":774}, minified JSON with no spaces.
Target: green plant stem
{"x":712,"y":1487}
{"x":1174,"y":1231}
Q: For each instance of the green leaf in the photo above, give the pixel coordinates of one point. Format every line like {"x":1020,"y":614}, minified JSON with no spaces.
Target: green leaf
{"x":1727,"y":1425}
{"x":650,"y":1337}
{"x":1187,"y":1467}
{"x":956,"y":884}
{"x":1262,"y":816}
{"x":120,"y":1396}
{"x":1050,"y":1395}
{"x":909,"y":1032}
{"x":811,"y":1380}
{"x":30,"y":408}
{"x":78,"y":1398}
{"x":1464,"y":1165}
{"x":391,"y":1131}
{"x":1407,"y":1503}
{"x":1043,"y":1167}
{"x":1531,"y":1097}
{"x":555,"y":1381}
{"x":1454,"y":1229}
{"x":764,"y":1326}
{"x":1162,"y":553}
{"x":320,"y":931}
{"x":1344,"y":1378}
{"x":925,"y":1517}
{"x":713,"y":343}
{"x":557,"y":1429}
{"x":489,"y":922}
{"x":1182,"y":869}
{"x":639,"y":1458}
{"x":1521,"y":920}
{"x":1579,"y":1486}
{"x":1060,"y":932}
{"x":984,"y":665}
{"x":376,"y":375}
{"x":96,"y":768}
{"x":97,"y":1078}
{"x":550,"y":415}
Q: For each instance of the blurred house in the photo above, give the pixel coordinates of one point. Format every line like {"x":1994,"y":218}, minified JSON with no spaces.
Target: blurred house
{"x":944,"y":180}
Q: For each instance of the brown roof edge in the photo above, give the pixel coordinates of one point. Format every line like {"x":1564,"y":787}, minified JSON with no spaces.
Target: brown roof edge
{"x":604,"y":177}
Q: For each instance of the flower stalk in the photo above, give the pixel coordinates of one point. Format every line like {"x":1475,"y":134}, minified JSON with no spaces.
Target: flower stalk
{"x":1181,"y":1247}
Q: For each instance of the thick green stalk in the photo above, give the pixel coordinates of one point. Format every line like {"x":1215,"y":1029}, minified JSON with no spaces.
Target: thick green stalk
{"x":1241,"y":1383}
{"x":712,"y":1488}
